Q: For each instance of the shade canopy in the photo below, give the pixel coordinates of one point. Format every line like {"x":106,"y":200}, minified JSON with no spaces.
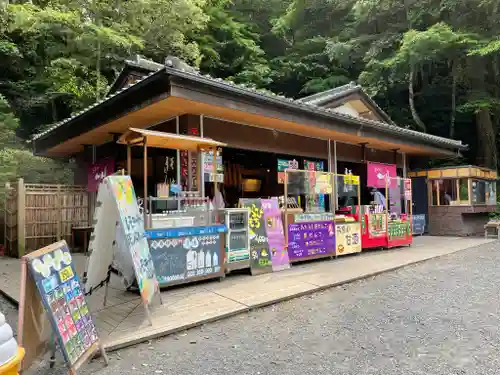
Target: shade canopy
{"x":136,"y":137}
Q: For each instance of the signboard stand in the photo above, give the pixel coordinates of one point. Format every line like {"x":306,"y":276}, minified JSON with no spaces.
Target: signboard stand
{"x":119,"y":240}
{"x":51,"y":291}
{"x":260,"y":254}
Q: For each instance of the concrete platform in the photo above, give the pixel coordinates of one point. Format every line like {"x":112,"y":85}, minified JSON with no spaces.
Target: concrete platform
{"x":122,"y":321}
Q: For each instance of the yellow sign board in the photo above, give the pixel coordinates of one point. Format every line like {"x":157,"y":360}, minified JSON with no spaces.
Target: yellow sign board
{"x":350,"y":179}
{"x":347,"y":238}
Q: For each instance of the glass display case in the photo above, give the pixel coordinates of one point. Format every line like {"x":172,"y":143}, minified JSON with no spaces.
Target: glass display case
{"x":237,"y":242}
{"x":309,"y":234}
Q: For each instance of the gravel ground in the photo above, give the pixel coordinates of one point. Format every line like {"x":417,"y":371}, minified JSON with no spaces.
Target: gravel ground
{"x":438,"y":317}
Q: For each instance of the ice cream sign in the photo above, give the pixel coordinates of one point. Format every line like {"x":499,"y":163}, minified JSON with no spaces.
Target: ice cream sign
{"x":378,"y":174}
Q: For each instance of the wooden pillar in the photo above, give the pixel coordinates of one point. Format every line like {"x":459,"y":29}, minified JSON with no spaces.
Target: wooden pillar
{"x":129,"y":160}
{"x":332,"y":176}
{"x":5,"y":217}
{"x":363,"y":152}
{"x":21,"y":218}
{"x":395,"y":156}
{"x":178,"y":155}
{"x":145,"y":172}
{"x":201,"y":176}
{"x":336,"y":193}
{"x":405,"y":173}
{"x":59,"y":214}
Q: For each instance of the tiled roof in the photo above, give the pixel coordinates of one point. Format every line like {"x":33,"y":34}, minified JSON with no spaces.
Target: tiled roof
{"x":332,"y":94}
{"x":265,"y":96}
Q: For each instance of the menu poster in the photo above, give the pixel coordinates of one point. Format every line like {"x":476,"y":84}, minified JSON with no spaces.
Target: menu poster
{"x":208,"y":166}
{"x":307,"y":240}
{"x":275,"y":234}
{"x":260,"y":255}
{"x":132,"y":230}
{"x":348,"y":238}
{"x":238,"y":249}
{"x":187,"y":254}
{"x":284,"y":164}
{"x":377,"y":225}
{"x":418,"y":224}
{"x":62,"y":296}
{"x":399,"y":230}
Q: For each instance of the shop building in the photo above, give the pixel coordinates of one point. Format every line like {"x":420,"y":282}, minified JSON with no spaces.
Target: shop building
{"x":322,"y":176}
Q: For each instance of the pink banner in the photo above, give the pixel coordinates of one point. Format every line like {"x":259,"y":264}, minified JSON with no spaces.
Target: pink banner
{"x":97,"y":172}
{"x":275,"y":234}
{"x":377,"y":173}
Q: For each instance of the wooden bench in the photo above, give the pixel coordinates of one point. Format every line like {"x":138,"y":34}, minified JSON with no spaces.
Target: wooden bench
{"x":495,"y":225}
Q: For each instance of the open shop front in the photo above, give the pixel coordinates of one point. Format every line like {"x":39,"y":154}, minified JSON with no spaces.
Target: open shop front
{"x":459,"y":199}
{"x":185,"y":241}
{"x":387,"y":218}
{"x":325,"y":224}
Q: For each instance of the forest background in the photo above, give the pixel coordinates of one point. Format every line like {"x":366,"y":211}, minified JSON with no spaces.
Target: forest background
{"x":432,"y":65}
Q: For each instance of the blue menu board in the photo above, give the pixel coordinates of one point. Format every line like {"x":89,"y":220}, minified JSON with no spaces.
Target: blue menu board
{"x":62,"y":296}
{"x":182,"y":255}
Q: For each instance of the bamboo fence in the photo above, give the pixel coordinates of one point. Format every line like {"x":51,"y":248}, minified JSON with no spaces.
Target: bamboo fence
{"x":36,"y":215}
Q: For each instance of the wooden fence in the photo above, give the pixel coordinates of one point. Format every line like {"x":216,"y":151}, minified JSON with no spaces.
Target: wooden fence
{"x":36,"y":215}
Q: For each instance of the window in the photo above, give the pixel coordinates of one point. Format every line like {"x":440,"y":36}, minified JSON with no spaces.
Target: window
{"x":463,"y":190}
{"x":448,"y":192}
{"x":478,"y":192}
{"x":435,"y":194}
{"x":491,"y":193}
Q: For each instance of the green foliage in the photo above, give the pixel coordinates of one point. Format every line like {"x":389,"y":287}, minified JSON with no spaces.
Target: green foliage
{"x":17,"y":160}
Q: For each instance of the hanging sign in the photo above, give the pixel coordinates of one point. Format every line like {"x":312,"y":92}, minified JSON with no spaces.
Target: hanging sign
{"x":208,"y":166}
{"x":379,"y":175}
{"x":260,"y":255}
{"x":97,"y":172}
{"x":61,"y":294}
{"x":284,"y":164}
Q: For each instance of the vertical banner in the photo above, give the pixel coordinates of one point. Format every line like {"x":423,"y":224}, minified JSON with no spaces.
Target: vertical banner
{"x":275,"y":234}
{"x":260,"y":255}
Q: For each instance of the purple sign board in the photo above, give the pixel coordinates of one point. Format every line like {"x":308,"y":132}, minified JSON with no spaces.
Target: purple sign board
{"x":275,"y":234}
{"x":315,"y":239}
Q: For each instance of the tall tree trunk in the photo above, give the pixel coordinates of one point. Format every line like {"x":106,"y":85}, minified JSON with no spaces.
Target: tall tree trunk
{"x":485,"y":131}
{"x":486,"y":139}
{"x":453,"y":97}
{"x":414,"y":112}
